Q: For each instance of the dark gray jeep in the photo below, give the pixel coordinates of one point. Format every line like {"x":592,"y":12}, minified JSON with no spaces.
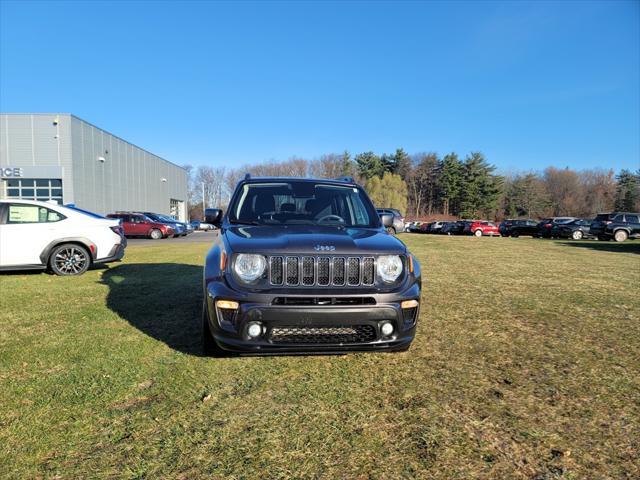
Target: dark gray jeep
{"x":302,"y":265}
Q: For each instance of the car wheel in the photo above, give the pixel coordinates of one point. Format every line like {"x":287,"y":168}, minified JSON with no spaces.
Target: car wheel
{"x":620,"y":236}
{"x":577,"y":235}
{"x":391,"y":230}
{"x":69,"y":259}
{"x":155,"y":234}
{"x":478,"y":233}
{"x":209,"y":346}
{"x":515,"y":234}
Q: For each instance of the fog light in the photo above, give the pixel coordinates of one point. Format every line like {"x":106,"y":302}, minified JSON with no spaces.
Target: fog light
{"x":227,"y":304}
{"x":254,"y":330}
{"x":386,"y":329}
{"x":409,"y":304}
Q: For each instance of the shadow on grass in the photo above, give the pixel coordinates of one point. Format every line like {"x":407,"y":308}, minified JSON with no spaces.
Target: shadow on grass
{"x":162,"y":300}
{"x":626,"y":247}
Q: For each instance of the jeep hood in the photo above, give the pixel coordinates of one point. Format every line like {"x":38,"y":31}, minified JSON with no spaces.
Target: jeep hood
{"x":312,"y":239}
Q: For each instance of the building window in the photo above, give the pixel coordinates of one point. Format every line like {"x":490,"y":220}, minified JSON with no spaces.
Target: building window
{"x":175,"y":209}
{"x":43,"y":189}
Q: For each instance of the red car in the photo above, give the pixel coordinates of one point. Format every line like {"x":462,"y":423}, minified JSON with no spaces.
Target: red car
{"x":480,"y":228}
{"x":138,"y":225}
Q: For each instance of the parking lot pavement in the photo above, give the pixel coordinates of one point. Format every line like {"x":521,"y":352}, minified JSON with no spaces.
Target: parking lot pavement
{"x":195,"y":237}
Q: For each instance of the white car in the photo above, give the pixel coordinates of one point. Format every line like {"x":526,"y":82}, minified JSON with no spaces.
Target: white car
{"x":65,"y":240}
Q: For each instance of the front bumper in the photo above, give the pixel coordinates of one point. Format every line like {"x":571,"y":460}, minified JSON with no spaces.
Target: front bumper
{"x":361,"y":324}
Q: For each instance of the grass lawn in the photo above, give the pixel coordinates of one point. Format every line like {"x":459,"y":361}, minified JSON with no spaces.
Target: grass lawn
{"x":526,"y":365}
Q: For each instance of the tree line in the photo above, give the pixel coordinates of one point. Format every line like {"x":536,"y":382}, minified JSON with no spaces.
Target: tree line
{"x":425,"y":185}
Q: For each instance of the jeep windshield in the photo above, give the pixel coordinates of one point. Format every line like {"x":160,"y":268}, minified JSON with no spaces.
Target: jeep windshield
{"x":302,"y":203}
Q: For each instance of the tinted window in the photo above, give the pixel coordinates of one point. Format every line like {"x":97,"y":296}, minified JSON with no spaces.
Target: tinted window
{"x":303,"y":203}
{"x":32,"y":214}
{"x":632,"y":218}
{"x":618,"y":218}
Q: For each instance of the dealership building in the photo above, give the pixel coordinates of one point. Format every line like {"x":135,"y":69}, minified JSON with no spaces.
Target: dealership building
{"x":57,"y":156}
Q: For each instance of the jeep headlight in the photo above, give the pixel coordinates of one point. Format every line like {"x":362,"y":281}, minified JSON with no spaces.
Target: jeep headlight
{"x":249,"y":267}
{"x":389,"y":267}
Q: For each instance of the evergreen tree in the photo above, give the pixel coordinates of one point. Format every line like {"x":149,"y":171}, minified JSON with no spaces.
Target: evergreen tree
{"x":450,"y":183}
{"x":401,"y":164}
{"x":369,"y":165}
{"x":480,"y":188}
{"x":628,"y":191}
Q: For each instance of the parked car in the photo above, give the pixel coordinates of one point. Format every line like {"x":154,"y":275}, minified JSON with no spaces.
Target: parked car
{"x":425,"y":227}
{"x":139,"y":225}
{"x":65,"y":240}
{"x":436,"y":226}
{"x":198,"y":225}
{"x":451,"y":228}
{"x":179,"y":228}
{"x":519,"y":228}
{"x":577,"y":229}
{"x":617,"y":225}
{"x":306,"y":265}
{"x":480,"y":228}
{"x":398,"y":219}
{"x":545,"y":226}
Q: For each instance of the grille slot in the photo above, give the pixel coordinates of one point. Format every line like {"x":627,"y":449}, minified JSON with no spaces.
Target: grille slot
{"x":338,"y":271}
{"x":292,"y":271}
{"x":323,"y":335}
{"x":276,"y":270}
{"x":308,"y":264}
{"x":353,"y":271}
{"x":322,"y":271}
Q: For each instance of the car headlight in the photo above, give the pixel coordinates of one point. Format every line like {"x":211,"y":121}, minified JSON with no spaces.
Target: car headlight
{"x":389,"y":268}
{"x":249,"y":267}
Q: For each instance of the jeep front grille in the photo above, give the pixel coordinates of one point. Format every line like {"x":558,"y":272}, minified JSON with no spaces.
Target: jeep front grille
{"x":321,"y":271}
{"x":316,"y":335}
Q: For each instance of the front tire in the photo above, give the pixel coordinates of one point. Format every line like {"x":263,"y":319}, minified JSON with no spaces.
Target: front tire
{"x":155,"y":234}
{"x":392,"y":230}
{"x":577,"y":235}
{"x":478,"y":233}
{"x":620,"y":236}
{"x":69,"y":259}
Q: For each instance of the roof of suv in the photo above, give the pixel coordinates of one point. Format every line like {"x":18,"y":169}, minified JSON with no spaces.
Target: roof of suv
{"x":335,"y":181}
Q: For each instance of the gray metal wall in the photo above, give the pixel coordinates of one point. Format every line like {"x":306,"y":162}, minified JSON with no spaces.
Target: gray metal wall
{"x":130,"y":178}
{"x":34,"y":140}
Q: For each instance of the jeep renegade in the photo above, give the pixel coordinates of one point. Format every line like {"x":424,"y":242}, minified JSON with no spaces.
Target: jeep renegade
{"x":305,"y":265}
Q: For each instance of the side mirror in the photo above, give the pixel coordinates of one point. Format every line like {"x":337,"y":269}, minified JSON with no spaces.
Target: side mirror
{"x":212,"y":216}
{"x":386,"y":219}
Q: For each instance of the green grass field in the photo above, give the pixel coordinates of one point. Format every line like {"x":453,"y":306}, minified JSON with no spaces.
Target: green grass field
{"x":526,"y":365}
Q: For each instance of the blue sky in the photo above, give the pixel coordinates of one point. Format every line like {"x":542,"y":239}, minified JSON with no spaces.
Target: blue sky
{"x":529,"y":84}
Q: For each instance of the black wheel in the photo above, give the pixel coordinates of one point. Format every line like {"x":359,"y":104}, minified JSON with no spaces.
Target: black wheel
{"x":155,"y":234}
{"x":515,"y":234}
{"x":69,"y":259}
{"x":209,"y":346}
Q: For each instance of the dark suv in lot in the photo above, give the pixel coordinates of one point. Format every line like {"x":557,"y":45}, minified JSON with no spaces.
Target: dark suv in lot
{"x":303,"y":265}
{"x":616,"y":225}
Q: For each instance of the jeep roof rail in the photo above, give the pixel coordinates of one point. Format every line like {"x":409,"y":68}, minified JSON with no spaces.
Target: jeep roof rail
{"x":345,"y":179}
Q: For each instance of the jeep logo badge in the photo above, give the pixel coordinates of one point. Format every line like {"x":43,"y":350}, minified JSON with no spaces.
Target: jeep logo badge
{"x":324,"y":248}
